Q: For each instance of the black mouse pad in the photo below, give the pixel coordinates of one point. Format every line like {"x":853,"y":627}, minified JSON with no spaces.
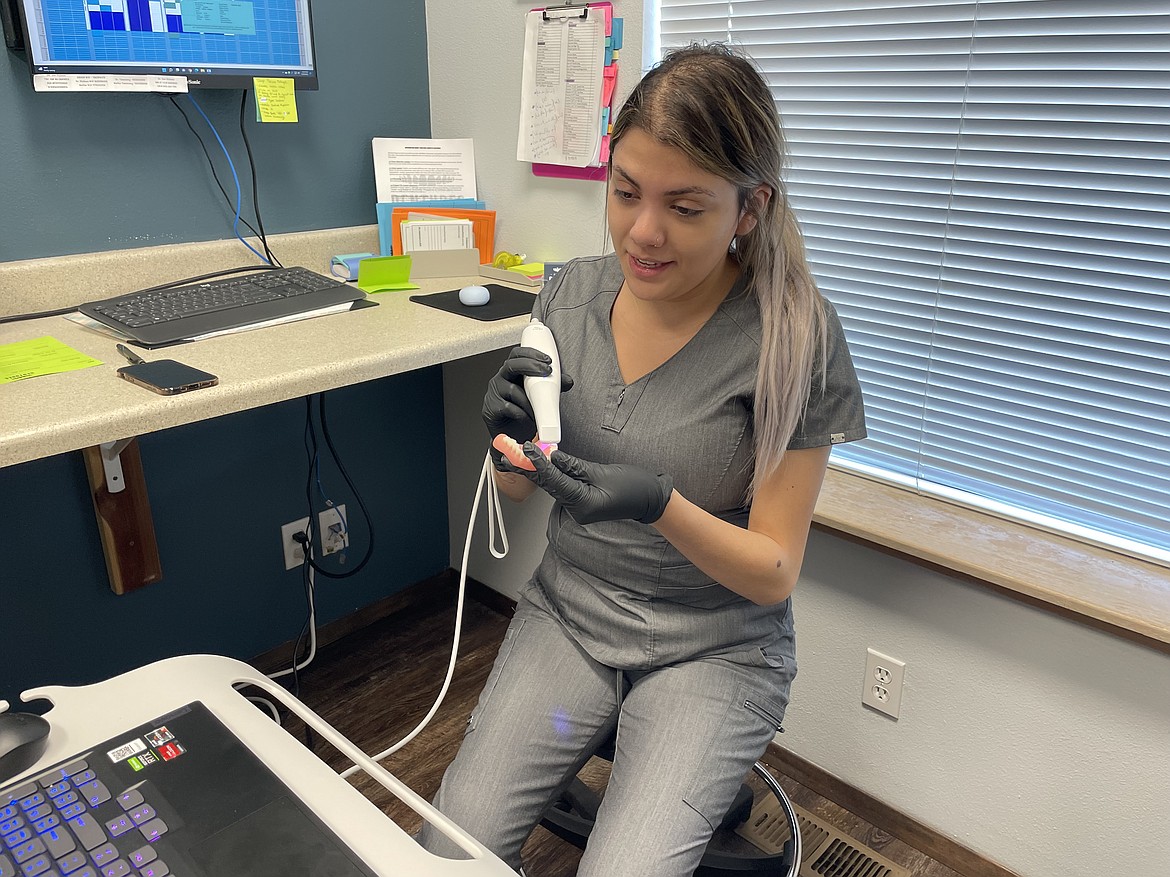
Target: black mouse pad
{"x":504,"y":302}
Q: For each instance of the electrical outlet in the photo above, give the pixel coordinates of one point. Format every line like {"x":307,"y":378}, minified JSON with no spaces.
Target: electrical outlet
{"x":883,"y":683}
{"x":294,"y":552}
{"x":333,"y":529}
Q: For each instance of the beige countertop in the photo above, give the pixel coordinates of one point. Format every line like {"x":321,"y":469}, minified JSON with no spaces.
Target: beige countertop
{"x":53,"y":414}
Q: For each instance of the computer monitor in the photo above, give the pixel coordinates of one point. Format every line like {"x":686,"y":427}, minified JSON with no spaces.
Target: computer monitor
{"x":212,"y":43}
{"x":10,"y":22}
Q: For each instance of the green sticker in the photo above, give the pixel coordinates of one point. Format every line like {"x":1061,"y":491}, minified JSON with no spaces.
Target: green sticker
{"x":135,"y":763}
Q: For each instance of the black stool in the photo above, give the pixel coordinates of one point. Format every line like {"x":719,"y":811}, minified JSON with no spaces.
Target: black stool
{"x":574,"y":811}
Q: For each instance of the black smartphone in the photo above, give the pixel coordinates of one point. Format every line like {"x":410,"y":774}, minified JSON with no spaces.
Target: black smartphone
{"x":167,"y":377}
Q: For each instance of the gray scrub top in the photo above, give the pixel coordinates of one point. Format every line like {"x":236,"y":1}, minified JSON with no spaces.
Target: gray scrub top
{"x":629,"y":598}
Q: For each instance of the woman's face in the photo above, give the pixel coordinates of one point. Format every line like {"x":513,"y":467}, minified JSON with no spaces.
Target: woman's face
{"x":671,"y":223}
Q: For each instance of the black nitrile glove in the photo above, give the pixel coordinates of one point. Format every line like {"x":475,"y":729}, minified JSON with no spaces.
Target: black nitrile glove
{"x":593,"y":492}
{"x":506,"y":408}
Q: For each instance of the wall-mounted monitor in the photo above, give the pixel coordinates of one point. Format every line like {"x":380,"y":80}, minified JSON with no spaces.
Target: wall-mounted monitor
{"x":209,"y":43}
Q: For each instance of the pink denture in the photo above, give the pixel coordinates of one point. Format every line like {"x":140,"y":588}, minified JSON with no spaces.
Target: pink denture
{"x":514,"y":451}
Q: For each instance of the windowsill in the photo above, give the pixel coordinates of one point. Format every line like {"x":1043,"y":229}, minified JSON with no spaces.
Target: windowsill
{"x":1101,"y":588}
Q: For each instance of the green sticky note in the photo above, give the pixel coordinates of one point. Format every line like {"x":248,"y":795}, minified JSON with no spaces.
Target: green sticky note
{"x":385,"y":274}
{"x":40,"y":356}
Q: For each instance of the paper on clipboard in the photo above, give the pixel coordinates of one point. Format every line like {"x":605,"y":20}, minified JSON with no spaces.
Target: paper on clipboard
{"x":420,"y":169}
{"x":560,"y":109}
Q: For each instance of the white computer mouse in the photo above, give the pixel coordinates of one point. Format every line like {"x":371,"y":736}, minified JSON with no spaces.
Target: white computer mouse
{"x":474,"y":295}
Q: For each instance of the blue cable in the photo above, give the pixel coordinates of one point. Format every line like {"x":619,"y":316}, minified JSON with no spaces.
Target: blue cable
{"x":235,"y":176}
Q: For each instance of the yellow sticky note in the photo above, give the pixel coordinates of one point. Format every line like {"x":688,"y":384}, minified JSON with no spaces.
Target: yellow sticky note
{"x":276,"y":99}
{"x":40,"y":356}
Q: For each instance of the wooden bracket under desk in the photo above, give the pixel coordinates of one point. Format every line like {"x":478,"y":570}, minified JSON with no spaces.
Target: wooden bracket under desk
{"x":118,"y":486}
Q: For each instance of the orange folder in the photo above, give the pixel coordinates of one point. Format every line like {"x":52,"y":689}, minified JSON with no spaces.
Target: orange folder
{"x":483,"y":226}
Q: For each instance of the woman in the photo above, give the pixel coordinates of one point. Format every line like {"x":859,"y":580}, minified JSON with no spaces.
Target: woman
{"x":711,"y":379}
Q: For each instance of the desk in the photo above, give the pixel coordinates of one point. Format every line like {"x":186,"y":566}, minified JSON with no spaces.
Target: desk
{"x":82,"y":717}
{"x":45,"y":416}
{"x":50,"y":415}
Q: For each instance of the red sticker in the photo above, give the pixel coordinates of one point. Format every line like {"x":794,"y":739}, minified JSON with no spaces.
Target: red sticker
{"x":169,"y":751}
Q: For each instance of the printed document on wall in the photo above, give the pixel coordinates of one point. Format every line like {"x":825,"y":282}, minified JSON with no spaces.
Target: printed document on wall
{"x":560,"y":109}
{"x":415,"y":169}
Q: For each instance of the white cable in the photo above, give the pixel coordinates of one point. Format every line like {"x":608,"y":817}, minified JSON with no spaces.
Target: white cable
{"x":312,"y":619}
{"x":312,"y":645}
{"x":494,"y":512}
{"x":493,"y":509}
{"x":269,"y":704}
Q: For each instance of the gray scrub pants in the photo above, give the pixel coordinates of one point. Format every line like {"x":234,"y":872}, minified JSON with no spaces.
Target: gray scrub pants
{"x":687,"y":735}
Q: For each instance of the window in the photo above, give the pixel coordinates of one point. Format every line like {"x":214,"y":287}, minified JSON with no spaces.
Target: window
{"x":985,"y":193}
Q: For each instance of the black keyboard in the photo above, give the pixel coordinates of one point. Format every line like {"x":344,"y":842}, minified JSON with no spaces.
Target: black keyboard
{"x":53,"y":823}
{"x":180,"y":796}
{"x":169,"y":315}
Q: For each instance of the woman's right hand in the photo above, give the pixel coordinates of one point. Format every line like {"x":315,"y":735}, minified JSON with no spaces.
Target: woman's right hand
{"x":506,"y":408}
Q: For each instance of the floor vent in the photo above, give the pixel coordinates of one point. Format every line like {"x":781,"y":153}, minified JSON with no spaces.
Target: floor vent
{"x":827,"y":851}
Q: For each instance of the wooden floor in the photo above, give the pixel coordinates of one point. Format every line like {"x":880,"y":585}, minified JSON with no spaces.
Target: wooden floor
{"x":374,"y":685}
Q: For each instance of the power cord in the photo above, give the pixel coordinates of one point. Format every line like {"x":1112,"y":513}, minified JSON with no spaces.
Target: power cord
{"x":305,"y":539}
{"x":495,"y":518}
{"x":215,"y":174}
{"x":235,"y":178}
{"x":170,"y":284}
{"x":16,"y":318}
{"x":310,"y":626}
{"x":268,"y":256}
{"x":268,"y":705}
{"x":255,"y":186}
{"x":314,"y":477}
{"x":309,"y":567}
{"x":309,"y":629}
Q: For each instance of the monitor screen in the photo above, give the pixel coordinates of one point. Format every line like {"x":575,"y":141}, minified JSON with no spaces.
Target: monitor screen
{"x":211,"y":43}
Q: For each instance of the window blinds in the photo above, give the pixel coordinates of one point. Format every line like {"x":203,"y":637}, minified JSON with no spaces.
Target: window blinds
{"x":985,"y":193}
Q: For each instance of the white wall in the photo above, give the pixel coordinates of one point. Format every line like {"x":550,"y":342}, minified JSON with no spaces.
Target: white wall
{"x":476,"y":52}
{"x":1036,"y":741}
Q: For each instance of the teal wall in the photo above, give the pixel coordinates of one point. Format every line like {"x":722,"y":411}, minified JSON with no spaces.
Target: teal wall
{"x":219,"y":491}
{"x":88,"y":172}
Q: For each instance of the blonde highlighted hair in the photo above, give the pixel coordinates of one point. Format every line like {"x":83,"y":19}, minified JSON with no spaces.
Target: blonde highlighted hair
{"x":711,"y":103}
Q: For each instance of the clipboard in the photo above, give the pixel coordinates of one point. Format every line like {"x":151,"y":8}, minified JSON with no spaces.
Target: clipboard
{"x":600,"y":170}
{"x":568,"y":7}
{"x":563,"y":84}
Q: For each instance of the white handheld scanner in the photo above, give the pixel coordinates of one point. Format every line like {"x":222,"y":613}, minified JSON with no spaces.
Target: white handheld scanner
{"x":544,"y":392}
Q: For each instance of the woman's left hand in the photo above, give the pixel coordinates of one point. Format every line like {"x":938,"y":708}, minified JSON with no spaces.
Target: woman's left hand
{"x":593,"y":492}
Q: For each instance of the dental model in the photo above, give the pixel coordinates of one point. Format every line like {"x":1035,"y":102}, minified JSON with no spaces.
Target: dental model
{"x":544,"y":393}
{"x":513,"y":451}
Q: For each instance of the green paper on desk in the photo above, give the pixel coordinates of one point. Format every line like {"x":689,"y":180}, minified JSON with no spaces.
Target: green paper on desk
{"x":385,"y":274}
{"x":40,"y":356}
